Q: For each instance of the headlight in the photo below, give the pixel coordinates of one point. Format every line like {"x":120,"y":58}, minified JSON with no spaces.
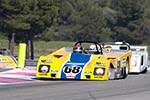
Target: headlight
{"x":99,"y":71}
{"x":44,"y":68}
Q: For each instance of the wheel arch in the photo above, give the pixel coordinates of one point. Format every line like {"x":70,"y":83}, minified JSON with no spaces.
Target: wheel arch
{"x":111,"y":65}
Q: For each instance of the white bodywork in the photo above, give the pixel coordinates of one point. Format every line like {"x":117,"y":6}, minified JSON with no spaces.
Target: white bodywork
{"x":139,"y":59}
{"x":116,"y":47}
{"x":148,"y":66}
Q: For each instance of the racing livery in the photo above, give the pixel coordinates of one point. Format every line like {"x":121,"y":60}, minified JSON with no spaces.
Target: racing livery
{"x":7,"y":60}
{"x":139,"y":59}
{"x":83,"y":62}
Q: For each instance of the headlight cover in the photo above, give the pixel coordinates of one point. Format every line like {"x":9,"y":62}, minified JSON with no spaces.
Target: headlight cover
{"x":99,"y":71}
{"x":44,"y":68}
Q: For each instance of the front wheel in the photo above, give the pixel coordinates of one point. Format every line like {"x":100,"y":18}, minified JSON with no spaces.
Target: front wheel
{"x":125,"y":70}
{"x":112,"y":74}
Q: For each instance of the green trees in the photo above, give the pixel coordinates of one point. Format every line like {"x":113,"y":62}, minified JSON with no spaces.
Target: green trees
{"x":22,"y":20}
{"x":129,"y":12}
{"x":81,"y":20}
{"x":42,"y":15}
{"x":72,"y":20}
{"x":12,"y":19}
{"x":143,"y":29}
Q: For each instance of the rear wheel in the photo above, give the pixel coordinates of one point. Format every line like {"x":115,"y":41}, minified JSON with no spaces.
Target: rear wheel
{"x":144,"y":71}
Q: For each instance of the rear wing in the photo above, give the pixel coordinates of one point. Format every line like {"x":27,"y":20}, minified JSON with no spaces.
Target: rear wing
{"x":139,"y":48}
{"x":117,"y":45}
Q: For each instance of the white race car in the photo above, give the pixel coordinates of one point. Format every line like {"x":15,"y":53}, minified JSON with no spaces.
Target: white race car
{"x":139,"y":59}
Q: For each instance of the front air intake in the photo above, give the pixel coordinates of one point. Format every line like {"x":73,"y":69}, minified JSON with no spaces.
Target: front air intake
{"x":53,"y":75}
{"x":88,"y":76}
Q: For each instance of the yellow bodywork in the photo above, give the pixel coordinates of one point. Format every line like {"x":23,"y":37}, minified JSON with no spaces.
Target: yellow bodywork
{"x":7,"y":62}
{"x":58,"y":58}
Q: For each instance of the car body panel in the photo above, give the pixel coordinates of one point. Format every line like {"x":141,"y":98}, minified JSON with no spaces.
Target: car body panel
{"x":8,"y":61}
{"x":84,"y":62}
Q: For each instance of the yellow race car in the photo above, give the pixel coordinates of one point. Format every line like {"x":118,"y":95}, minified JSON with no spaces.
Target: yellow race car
{"x":7,"y":60}
{"x":86,"y":61}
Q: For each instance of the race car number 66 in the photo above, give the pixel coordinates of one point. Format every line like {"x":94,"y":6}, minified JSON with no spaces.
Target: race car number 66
{"x":72,"y":69}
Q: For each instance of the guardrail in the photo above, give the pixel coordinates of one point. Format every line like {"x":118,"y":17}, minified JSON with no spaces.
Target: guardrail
{"x":31,"y":63}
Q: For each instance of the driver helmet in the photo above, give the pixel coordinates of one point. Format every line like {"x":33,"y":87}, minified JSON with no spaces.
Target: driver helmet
{"x":77,"y":48}
{"x":108,"y":48}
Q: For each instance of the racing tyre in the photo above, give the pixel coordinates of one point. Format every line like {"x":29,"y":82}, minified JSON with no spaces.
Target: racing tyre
{"x":125,"y":70}
{"x":144,"y":71}
{"x":112,"y":74}
{"x":124,"y":75}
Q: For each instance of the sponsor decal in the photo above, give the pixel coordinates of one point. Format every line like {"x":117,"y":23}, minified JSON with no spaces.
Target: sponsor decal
{"x":45,"y":61}
{"x":54,"y":70}
{"x":88,"y":73}
{"x":75,"y":63}
{"x":43,"y":74}
{"x":3,"y":60}
{"x":97,"y":76}
{"x":100,"y":64}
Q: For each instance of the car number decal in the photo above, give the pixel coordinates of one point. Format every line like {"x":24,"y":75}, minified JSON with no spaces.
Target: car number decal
{"x":72,"y":69}
{"x":74,"y":66}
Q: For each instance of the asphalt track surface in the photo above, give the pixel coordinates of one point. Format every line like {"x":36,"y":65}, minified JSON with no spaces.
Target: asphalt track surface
{"x":134,"y":87}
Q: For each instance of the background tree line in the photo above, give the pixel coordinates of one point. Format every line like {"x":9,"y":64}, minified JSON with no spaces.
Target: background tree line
{"x":72,"y":20}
